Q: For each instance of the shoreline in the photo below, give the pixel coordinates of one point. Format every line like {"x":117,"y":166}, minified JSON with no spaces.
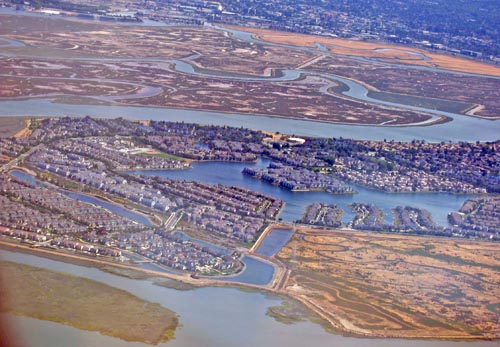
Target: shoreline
{"x":329,"y":322}
{"x":442,"y":119}
{"x":66,"y":292}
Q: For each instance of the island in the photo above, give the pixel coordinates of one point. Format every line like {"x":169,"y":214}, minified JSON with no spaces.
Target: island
{"x":85,"y":304}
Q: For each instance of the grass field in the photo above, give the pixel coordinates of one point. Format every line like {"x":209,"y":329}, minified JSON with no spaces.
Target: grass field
{"x":397,"y":285}
{"x":84,"y":304}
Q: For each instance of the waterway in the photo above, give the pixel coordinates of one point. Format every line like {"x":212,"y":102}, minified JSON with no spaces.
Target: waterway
{"x":209,"y":317}
{"x":274,"y":241}
{"x":256,"y":271}
{"x":462,"y":128}
{"x":145,"y":22}
{"x":119,"y":210}
{"x":439,"y":204}
{"x":222,"y":317}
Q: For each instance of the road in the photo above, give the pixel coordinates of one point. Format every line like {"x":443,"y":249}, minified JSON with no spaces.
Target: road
{"x":172,"y":221}
{"x":14,"y":162}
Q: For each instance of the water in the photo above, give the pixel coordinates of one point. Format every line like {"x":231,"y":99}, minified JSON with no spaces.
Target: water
{"x":256,"y":272}
{"x":274,"y":241}
{"x":210,"y":317}
{"x":221,"y":317}
{"x":187,"y":67}
{"x":458,"y":129}
{"x":137,"y":217}
{"x":439,"y":204}
{"x":6,"y":42}
{"x":23,"y":176}
{"x":145,"y":22}
{"x":462,"y":128}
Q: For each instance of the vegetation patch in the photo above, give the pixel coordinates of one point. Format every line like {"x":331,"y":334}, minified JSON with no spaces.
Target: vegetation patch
{"x":396,"y":285}
{"x":9,"y":126}
{"x":290,"y":312}
{"x":84,"y":304}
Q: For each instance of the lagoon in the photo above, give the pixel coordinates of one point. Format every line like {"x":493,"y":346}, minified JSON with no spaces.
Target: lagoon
{"x":274,"y":241}
{"x":439,"y":204}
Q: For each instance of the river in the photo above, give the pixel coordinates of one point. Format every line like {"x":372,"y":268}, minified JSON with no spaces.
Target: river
{"x":220,"y":317}
{"x":462,"y":128}
{"x":209,"y":317}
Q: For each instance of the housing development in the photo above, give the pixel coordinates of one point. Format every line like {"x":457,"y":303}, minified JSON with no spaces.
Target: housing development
{"x":98,"y":157}
{"x":187,"y":164}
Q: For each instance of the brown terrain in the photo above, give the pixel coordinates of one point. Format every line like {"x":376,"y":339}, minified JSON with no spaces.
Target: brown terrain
{"x":459,"y":88}
{"x":396,"y":285}
{"x":156,"y":83}
{"x":86,"y":63}
{"x":14,"y":126}
{"x":52,"y":37}
{"x":71,"y":51}
{"x":382,"y":51}
{"x":83,"y":303}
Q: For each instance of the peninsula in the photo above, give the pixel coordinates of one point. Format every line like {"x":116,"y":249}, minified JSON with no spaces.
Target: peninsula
{"x":79,"y":189}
